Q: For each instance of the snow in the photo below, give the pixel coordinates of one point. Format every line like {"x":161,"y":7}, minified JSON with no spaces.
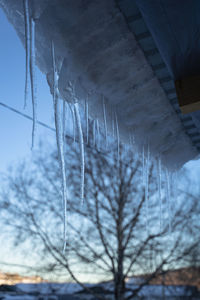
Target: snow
{"x":47,"y":288}
{"x":95,"y":49}
{"x":50,"y":290}
{"x":19,"y":297}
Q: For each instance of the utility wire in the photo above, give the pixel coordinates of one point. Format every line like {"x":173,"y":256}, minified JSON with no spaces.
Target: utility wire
{"x":26,"y":116}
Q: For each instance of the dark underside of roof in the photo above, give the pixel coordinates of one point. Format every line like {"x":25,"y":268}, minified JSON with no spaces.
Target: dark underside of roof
{"x":168,"y":32}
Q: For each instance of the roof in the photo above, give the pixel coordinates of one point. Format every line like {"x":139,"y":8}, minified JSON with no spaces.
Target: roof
{"x":112,"y":55}
{"x":151,"y":22}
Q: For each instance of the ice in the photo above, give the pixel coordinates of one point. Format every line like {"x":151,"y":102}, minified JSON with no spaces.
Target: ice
{"x":63,"y":119}
{"x":113,"y":123}
{"x":73,"y":120}
{"x":29,"y":23}
{"x":33,"y":77}
{"x":168,"y":196}
{"x":98,"y":133}
{"x":159,"y":182}
{"x":118,"y":138}
{"x":143,"y":165}
{"x":94,"y":133}
{"x":60,"y":139}
{"x":27,"y":47}
{"x":105,"y":121}
{"x":81,"y":144}
{"x":147,"y":185}
{"x":175,"y":185}
{"x":87,"y":120}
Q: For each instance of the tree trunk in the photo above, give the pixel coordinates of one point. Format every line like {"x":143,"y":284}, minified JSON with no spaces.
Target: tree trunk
{"x":119,"y":287}
{"x":119,"y":276}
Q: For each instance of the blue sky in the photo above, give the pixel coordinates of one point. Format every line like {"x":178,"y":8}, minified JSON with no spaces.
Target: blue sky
{"x":15,"y":131}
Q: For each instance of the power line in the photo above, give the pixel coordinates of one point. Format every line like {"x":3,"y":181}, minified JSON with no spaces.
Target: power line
{"x":31,"y":119}
{"x":26,"y":116}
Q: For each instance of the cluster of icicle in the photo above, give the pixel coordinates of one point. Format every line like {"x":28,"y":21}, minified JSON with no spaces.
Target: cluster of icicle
{"x":60,"y":116}
{"x":164,"y":176}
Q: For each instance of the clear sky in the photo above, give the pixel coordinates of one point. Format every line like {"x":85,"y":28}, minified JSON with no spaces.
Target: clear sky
{"x":15,"y":131}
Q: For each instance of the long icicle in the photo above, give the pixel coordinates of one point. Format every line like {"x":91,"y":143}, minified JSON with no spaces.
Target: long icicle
{"x":27,"y":42}
{"x":105,"y":122}
{"x":147,"y":186}
{"x":98,"y":134}
{"x":113,"y":123}
{"x":175,"y":188}
{"x":63,"y":124}
{"x":168,"y":195}
{"x":117,"y":131}
{"x":60,"y":143}
{"x":81,"y":144}
{"x":143,"y":165}
{"x":169,"y":198}
{"x":159,"y":179}
{"x":94,"y":133}
{"x":73,"y":120}
{"x":87,"y":121}
{"x":33,"y":79}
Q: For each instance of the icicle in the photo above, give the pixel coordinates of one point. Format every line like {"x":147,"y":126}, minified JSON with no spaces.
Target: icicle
{"x":175,"y":187}
{"x":117,"y":131}
{"x":143,"y":165}
{"x":27,"y":41}
{"x":81,"y":144}
{"x":105,"y":121}
{"x":73,"y":120}
{"x":63,"y":123}
{"x":147,"y":186}
{"x":32,"y":76}
{"x":129,"y":135}
{"x":98,"y":134}
{"x":87,"y":120}
{"x":94,"y":133}
{"x":113,"y":124}
{"x":60,"y":142}
{"x":168,"y":198}
{"x":159,"y":182}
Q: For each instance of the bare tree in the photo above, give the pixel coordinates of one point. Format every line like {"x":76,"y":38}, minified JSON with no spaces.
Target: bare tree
{"x":114,"y":235}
